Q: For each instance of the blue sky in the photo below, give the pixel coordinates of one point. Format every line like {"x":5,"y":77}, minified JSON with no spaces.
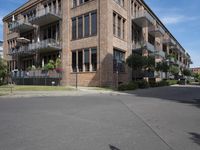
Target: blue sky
{"x":181,"y":17}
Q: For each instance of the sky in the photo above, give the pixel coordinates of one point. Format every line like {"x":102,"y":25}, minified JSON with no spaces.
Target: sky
{"x":181,"y":17}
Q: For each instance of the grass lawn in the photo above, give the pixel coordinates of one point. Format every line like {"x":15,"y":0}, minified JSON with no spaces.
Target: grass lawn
{"x":7,"y":88}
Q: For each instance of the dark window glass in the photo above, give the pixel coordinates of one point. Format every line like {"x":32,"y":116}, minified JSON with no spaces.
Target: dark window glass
{"x":49,"y":32}
{"x":94,"y":59}
{"x":118,"y":61}
{"x":80,"y":61}
{"x":80,"y":27}
{"x":119,"y":27}
{"x":86,"y":60}
{"x":151,"y":39}
{"x":114,"y":23}
{"x":74,"y":28}
{"x":87,"y":25}
{"x":74,"y":61}
{"x":94,"y":23}
{"x":123,"y":34}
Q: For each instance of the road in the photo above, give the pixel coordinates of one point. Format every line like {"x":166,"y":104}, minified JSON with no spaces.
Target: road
{"x":152,"y":119}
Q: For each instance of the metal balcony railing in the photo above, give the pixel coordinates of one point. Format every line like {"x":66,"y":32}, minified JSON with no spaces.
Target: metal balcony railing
{"x":144,"y":45}
{"x":49,"y":44}
{"x":157,"y":30}
{"x":169,"y":41}
{"x":160,"y":53}
{"x":46,"y":16}
{"x":143,"y":18}
{"x":21,"y":25}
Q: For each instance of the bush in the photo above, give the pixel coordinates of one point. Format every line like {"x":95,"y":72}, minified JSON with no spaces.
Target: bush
{"x":129,"y":86}
{"x":172,"y":82}
{"x":142,"y":84}
{"x":163,"y":83}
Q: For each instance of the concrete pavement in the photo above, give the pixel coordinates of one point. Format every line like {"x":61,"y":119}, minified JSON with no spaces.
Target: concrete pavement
{"x":154,"y":119}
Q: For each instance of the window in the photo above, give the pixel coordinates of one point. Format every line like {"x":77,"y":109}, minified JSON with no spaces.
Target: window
{"x":118,"y":61}
{"x":114,"y":23}
{"x":80,"y":61}
{"x":120,"y":2}
{"x":86,"y":60}
{"x":94,"y":23}
{"x":119,"y":27}
{"x":74,"y":28}
{"x":151,"y":39}
{"x":74,"y":3}
{"x":86,"y":57}
{"x":87,"y":25}
{"x":123,"y":30}
{"x":74,"y":61}
{"x":89,"y":29}
{"x":94,"y":59}
{"x":80,"y":27}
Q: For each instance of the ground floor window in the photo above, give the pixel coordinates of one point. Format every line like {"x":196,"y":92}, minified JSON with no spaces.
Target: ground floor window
{"x":84,"y":59}
{"x":118,"y":61}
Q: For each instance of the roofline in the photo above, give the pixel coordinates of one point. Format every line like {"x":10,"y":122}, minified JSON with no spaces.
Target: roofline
{"x":162,"y":24}
{"x":18,"y":9}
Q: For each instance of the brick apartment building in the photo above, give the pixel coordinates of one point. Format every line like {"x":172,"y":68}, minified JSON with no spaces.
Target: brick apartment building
{"x":196,"y":70}
{"x":92,"y":37}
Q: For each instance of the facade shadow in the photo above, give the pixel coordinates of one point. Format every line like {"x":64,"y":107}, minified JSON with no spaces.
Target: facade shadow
{"x":186,"y":95}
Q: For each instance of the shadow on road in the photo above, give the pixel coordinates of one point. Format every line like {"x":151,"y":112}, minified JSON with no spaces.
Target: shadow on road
{"x":113,"y":147}
{"x":187,"y":95}
{"x":195,"y":137}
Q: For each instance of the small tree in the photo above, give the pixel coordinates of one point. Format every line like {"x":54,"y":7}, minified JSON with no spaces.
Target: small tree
{"x":174,"y":70}
{"x":149,"y":63}
{"x":162,"y":66}
{"x":186,"y":72}
{"x":135,"y":62}
{"x":3,"y":70}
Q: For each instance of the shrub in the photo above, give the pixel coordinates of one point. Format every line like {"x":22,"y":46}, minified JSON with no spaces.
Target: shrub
{"x":129,"y":86}
{"x":142,"y":84}
{"x":172,"y":82}
{"x":163,"y":83}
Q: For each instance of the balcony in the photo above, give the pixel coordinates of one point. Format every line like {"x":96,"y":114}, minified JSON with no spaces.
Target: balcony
{"x":175,"y":48}
{"x":45,"y":46}
{"x":169,"y":41}
{"x":21,"y":25}
{"x":156,"y":31}
{"x":143,"y":19}
{"x":46,"y":16}
{"x":145,"y":45}
{"x":160,"y":53}
{"x":48,"y":45}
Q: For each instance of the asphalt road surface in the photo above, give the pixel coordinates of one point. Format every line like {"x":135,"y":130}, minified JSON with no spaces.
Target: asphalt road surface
{"x":165,"y":118}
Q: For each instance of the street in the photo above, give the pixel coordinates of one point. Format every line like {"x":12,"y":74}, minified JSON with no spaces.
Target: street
{"x":166,"y":118}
